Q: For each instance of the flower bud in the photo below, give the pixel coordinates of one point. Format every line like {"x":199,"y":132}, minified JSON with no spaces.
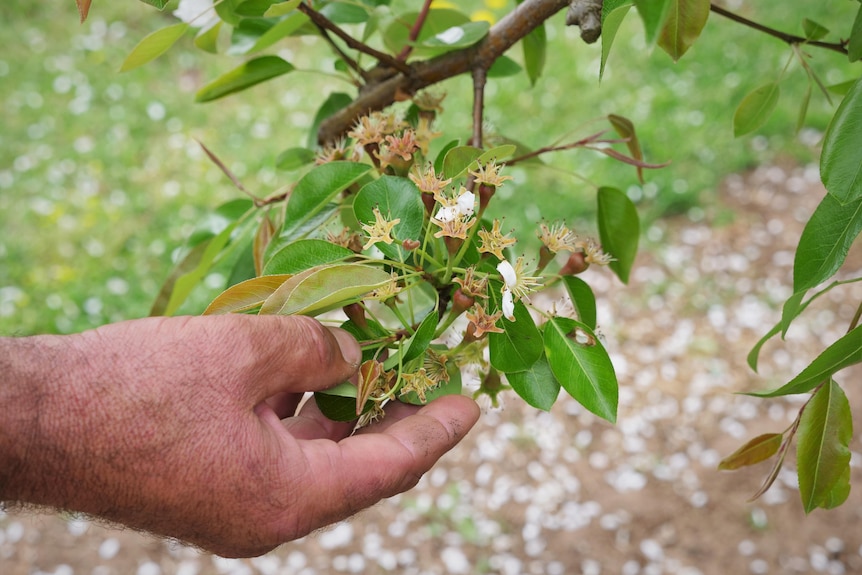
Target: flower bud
{"x":577,"y":263}
{"x":356,"y":314}
{"x":461,"y":302}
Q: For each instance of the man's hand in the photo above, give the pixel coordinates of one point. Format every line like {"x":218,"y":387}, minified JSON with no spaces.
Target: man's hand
{"x":188,"y":427}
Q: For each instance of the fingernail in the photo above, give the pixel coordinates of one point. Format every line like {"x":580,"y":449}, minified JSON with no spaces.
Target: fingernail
{"x":350,"y":350}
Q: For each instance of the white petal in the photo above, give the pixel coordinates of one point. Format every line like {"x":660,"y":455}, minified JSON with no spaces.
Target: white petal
{"x":508,"y":305}
{"x":508,"y":272}
{"x":466,"y":203}
{"x":447,"y":214}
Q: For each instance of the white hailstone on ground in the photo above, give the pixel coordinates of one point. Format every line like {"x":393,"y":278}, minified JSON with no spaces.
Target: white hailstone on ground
{"x":338,"y":536}
{"x":149,"y":568}
{"x":109,"y":548}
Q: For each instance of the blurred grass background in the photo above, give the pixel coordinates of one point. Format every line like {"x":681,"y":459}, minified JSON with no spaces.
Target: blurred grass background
{"x":101,"y":179}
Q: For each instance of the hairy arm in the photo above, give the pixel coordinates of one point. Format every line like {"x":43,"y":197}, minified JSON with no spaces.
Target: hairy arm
{"x":188,"y":427}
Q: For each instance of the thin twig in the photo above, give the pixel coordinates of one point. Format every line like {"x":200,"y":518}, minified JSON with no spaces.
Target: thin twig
{"x":354,"y":65}
{"x":415,"y":30}
{"x":594,"y":138}
{"x":324,"y":22}
{"x":840,"y":47}
{"x":480,"y":77}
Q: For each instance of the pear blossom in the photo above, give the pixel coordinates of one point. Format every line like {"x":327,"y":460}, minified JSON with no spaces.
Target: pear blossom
{"x":198,"y":13}
{"x":380,"y":230}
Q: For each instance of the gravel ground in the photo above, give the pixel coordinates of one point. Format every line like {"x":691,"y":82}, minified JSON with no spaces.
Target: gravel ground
{"x":562,"y":492}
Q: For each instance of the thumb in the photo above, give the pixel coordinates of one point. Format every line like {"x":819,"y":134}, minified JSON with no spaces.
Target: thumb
{"x":307,"y":356}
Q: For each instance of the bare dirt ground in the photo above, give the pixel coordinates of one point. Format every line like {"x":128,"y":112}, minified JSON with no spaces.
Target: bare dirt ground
{"x":561,"y":492}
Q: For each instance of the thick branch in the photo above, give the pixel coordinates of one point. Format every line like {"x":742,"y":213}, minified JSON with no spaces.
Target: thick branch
{"x":514,"y":26}
{"x":789,"y":38}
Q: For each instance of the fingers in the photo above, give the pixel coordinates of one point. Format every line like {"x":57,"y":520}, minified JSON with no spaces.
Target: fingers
{"x":300,"y":354}
{"x":360,"y":470}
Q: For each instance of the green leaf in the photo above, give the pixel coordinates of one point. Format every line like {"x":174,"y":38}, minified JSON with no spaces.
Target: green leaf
{"x":294,"y":158}
{"x":396,"y":198}
{"x":842,"y":88}
{"x":582,"y":299}
{"x":245,"y":76}
{"x":503,"y":67}
{"x":791,"y":310}
{"x":825,"y":241}
{"x":304,"y":254}
{"x":520,"y":345}
{"x":458,"y":159}
{"x":843,"y":353}
{"x":654,"y":13}
{"x":337,"y":405}
{"x":373,"y":331}
{"x":841,"y":158}
{"x":813,"y":31}
{"x":397,"y":34}
{"x":333,"y":103}
{"x":153,"y":45}
{"x":417,"y":344}
{"x":822,"y":455}
{"x":253,"y":8}
{"x":345,"y":13}
{"x":246,"y":34}
{"x":755,"y":109}
{"x":854,"y":47}
{"x":160,"y":4}
{"x":535,"y":46}
{"x":803,"y":108}
{"x":317,"y":188}
{"x":754,"y":451}
{"x":186,"y":265}
{"x":246,"y":295}
{"x":226,"y":10}
{"x":457,"y":37}
{"x":684,"y":23}
{"x":324,"y":288}
{"x":583,"y":369}
{"x":537,"y":385}
{"x":619,"y":229}
{"x":281,"y":8}
{"x":281,"y":30}
{"x":207,"y":39}
{"x":613,"y":13}
{"x":839,"y":492}
{"x":755,"y":351}
{"x":441,"y":155}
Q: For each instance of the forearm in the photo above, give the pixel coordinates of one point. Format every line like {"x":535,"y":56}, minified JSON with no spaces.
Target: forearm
{"x":31,"y":370}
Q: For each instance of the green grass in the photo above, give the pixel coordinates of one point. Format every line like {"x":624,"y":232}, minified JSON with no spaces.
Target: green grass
{"x":101,"y":179}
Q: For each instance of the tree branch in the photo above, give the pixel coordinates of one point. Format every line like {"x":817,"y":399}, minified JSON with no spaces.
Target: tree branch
{"x":514,"y":26}
{"x":325,"y":23}
{"x":480,"y":77}
{"x":415,"y":30}
{"x":840,"y":47}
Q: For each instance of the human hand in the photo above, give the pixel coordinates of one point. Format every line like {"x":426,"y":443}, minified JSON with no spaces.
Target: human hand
{"x":188,"y":428}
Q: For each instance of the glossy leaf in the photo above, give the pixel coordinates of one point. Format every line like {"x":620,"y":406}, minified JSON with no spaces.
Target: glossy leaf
{"x":372,"y":330}
{"x":245,"y":76}
{"x":153,"y":45}
{"x":583,"y":369}
{"x":503,"y":67}
{"x":264,"y":235}
{"x":654,"y":13}
{"x":813,"y":30}
{"x":535,"y":46}
{"x":619,"y":229}
{"x":338,"y":404}
{"x":317,"y":188}
{"x":457,"y":37}
{"x":281,"y":8}
{"x":207,"y":38}
{"x":333,"y":103}
{"x":185,"y":266}
{"x":755,"y":108}
{"x":83,"y":8}
{"x":841,"y":158}
{"x":281,"y":30}
{"x":417,"y":344}
{"x":159,"y":4}
{"x":754,"y":451}
{"x":684,"y":23}
{"x":825,"y":241}
{"x":520,"y":345}
{"x":226,"y":10}
{"x":626,"y":129}
{"x":246,"y":295}
{"x":305,"y":254}
{"x":321,"y":289}
{"x":822,"y":454}
{"x":396,"y":198}
{"x":583,"y":300}
{"x":303,"y":229}
{"x":537,"y":385}
{"x":345,"y":12}
{"x":294,"y":158}
{"x":613,"y":14}
{"x":441,"y":155}
{"x":840,"y":491}
{"x":854,"y":46}
{"x":803,"y":108}
{"x":438,"y":20}
{"x":458,"y":159}
{"x":843,"y":353}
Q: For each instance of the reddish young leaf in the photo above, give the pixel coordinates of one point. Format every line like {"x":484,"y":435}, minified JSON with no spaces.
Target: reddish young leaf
{"x":754,"y":451}
{"x":83,"y":8}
